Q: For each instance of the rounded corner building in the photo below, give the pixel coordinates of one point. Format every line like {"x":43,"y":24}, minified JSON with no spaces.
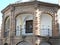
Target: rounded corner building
{"x":30,"y":23}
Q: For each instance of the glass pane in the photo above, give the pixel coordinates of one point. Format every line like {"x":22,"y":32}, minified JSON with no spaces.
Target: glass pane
{"x":29,"y":26}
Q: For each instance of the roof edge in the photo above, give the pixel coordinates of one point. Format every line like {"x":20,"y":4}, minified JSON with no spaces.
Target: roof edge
{"x":31,"y":2}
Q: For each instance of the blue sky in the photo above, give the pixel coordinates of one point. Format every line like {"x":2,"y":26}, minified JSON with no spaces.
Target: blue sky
{"x":4,"y":3}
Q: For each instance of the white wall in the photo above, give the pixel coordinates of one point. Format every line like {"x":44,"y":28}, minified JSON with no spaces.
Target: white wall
{"x":18,"y":26}
{"x":46,"y":23}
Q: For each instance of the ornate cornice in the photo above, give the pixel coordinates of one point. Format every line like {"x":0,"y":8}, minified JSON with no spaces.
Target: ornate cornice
{"x":30,"y":3}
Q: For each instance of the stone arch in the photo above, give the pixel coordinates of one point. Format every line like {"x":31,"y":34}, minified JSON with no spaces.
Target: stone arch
{"x":24,"y":13}
{"x":6,"y":18}
{"x":23,"y":43}
{"x":7,"y":25}
{"x":47,"y":12}
{"x":5,"y":43}
{"x":21,"y":13}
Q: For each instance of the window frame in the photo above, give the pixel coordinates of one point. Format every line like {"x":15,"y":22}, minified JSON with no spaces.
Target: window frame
{"x":24,"y":33}
{"x":26,"y":30}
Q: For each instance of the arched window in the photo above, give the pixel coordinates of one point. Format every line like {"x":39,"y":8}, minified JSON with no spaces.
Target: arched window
{"x":28,"y":24}
{"x":7,"y":27}
{"x":24,"y":24}
{"x":46,"y":25}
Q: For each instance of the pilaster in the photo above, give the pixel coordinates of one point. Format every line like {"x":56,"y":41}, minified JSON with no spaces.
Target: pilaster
{"x":12,"y":25}
{"x":36,"y":27}
{"x":55,"y":25}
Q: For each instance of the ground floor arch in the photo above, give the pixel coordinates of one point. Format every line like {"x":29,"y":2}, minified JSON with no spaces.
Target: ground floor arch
{"x":5,"y":43}
{"x":23,"y":43}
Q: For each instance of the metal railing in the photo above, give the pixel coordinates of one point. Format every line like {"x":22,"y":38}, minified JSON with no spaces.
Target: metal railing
{"x":46,"y":32}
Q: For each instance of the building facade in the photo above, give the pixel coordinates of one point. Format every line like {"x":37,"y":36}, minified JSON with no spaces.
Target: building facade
{"x":30,"y":23}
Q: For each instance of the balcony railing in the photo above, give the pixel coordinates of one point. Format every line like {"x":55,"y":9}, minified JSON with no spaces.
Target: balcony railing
{"x":45,"y":32}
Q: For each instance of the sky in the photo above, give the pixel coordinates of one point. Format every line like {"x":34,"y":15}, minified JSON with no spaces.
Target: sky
{"x":4,"y":3}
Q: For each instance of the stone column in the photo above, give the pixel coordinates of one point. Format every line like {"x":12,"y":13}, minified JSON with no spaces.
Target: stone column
{"x":38,"y":40}
{"x":55,"y":25}
{"x":36,"y":26}
{"x":13,"y":20}
{"x":12,"y":25}
{"x":37,"y":23}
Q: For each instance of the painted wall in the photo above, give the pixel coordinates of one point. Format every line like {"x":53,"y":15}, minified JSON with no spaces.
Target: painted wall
{"x":46,"y":25}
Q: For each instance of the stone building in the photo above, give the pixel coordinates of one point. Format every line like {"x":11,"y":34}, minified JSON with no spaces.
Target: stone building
{"x":30,"y":23}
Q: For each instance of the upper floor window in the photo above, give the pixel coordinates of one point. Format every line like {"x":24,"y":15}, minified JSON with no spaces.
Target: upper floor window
{"x":29,"y":26}
{"x":7,"y":27}
{"x":24,"y":24}
{"x":46,"y":25}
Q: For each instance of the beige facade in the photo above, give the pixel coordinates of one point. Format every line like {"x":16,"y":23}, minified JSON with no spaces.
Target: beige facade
{"x":42,"y":14}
